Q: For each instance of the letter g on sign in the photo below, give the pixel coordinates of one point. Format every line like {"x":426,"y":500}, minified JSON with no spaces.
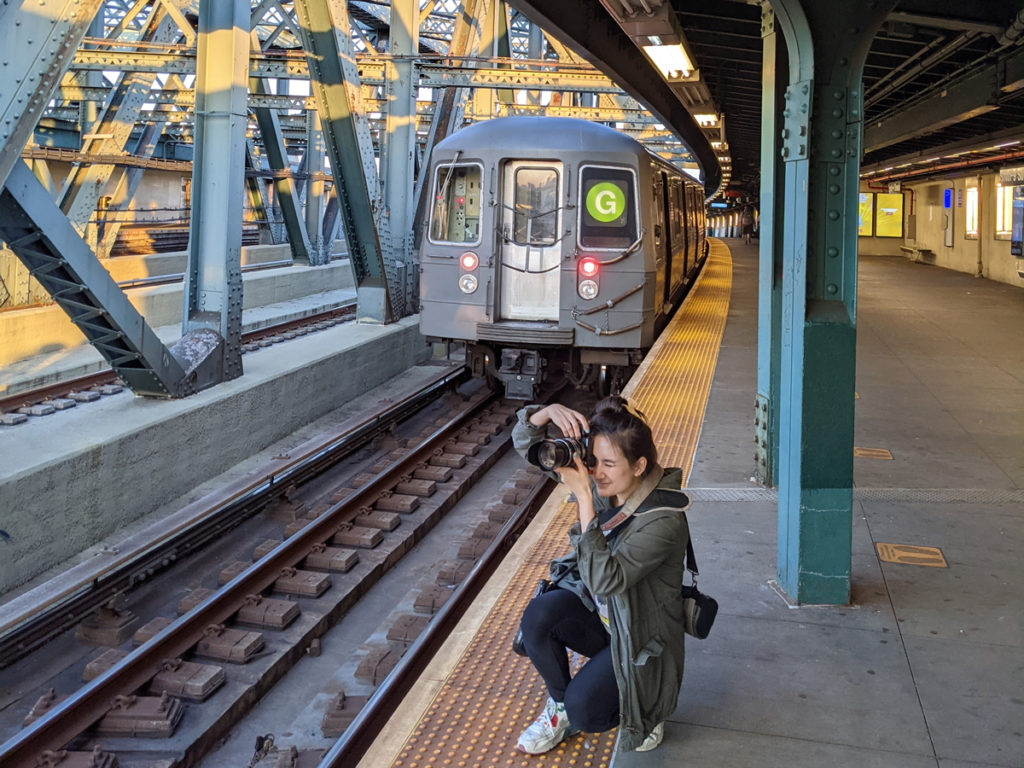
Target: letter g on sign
{"x":605,"y":202}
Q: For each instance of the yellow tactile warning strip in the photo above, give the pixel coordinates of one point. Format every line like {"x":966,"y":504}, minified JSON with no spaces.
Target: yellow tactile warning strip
{"x":910,"y":554}
{"x":872,"y":453}
{"x":672,"y":385}
{"x":491,"y":694}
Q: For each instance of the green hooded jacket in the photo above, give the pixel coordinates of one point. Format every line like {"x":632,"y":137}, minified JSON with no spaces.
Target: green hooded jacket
{"x":639,"y":575}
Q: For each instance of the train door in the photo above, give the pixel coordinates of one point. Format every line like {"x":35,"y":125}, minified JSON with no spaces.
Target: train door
{"x":531,"y":249}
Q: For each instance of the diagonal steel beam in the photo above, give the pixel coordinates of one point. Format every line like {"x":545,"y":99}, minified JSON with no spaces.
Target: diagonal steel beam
{"x":325,"y":29}
{"x":42,"y":237}
{"x":38,"y":40}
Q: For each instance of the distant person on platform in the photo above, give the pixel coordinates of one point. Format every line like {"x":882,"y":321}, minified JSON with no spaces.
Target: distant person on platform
{"x":747,"y":220}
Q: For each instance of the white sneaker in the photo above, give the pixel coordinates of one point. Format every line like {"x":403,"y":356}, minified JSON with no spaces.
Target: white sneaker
{"x":653,"y":739}
{"x":547,"y":731}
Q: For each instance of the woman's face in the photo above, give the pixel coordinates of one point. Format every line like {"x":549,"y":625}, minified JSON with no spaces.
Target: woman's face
{"x":616,"y":479}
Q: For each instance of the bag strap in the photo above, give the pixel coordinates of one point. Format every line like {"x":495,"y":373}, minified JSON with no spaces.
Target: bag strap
{"x":636,"y":498}
{"x":691,"y":559}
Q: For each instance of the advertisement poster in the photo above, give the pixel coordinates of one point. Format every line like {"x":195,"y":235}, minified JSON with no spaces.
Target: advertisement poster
{"x":888,"y":215}
{"x":865,"y":213}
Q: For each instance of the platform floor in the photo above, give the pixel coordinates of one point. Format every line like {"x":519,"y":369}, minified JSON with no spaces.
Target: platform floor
{"x":925,"y":667}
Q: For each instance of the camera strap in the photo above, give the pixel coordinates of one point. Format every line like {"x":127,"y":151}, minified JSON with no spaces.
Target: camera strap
{"x":635,"y":499}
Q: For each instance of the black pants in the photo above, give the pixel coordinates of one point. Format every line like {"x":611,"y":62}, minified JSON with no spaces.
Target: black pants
{"x":558,"y":620}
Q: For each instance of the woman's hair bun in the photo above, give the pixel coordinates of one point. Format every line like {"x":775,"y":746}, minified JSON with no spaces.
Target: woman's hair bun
{"x":617,"y":404}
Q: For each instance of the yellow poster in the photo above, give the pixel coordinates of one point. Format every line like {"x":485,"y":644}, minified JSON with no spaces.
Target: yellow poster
{"x":865,"y":212}
{"x":889,"y":215}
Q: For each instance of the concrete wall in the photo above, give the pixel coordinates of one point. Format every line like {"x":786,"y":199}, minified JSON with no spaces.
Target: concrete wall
{"x":925,"y":200}
{"x":71,"y":479}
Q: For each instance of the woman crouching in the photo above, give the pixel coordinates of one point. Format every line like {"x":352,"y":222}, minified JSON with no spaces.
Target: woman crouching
{"x":616,"y":596}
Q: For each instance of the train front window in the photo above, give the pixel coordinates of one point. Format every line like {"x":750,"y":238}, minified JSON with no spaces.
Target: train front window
{"x":607,"y":208}
{"x":536,"y":206}
{"x":455,"y":216}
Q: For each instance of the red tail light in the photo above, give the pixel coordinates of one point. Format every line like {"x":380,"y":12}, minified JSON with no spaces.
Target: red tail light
{"x":469,"y":261}
{"x":588,"y":267}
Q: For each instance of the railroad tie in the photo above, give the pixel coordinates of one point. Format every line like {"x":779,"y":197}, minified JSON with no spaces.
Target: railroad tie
{"x":186,"y":679}
{"x":267,"y":612}
{"x":149,"y":629}
{"x":324,"y":558}
{"x":340,"y":713}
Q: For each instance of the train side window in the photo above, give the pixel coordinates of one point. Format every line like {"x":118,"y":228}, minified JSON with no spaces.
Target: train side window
{"x":536,"y":206}
{"x":608,"y":217}
{"x":455,"y":216}
{"x":658,"y":206}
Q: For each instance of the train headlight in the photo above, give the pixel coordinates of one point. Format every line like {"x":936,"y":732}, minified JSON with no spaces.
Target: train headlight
{"x":467,"y":283}
{"x":587,"y":289}
{"x":469,"y":261}
{"x":586,"y":271}
{"x":588,"y":267}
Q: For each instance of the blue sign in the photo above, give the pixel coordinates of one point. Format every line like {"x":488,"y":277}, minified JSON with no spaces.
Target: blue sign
{"x":719,"y":205}
{"x":947,"y":198}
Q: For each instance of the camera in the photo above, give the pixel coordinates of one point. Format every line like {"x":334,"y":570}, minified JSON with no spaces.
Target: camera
{"x":558,"y":452}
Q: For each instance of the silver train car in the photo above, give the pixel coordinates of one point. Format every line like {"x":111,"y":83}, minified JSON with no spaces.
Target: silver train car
{"x":555,"y":248}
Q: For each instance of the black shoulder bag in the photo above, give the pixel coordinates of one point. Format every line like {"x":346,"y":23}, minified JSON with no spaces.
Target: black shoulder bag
{"x":699,"y":610}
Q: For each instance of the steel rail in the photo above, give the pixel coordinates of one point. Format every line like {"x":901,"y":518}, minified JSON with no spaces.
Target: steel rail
{"x":84,"y":707}
{"x":367,"y":725}
{"x":88,"y":587}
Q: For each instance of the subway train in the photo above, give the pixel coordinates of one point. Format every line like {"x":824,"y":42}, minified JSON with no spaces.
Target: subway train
{"x":556,"y":249}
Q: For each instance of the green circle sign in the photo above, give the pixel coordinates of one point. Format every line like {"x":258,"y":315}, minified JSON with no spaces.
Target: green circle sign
{"x":605,"y":201}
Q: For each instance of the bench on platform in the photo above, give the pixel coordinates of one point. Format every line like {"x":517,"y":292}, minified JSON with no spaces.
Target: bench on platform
{"x":920,"y":255}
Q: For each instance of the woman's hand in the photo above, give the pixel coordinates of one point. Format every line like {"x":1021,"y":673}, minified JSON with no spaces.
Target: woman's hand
{"x":572,"y":423}
{"x":577,"y":478}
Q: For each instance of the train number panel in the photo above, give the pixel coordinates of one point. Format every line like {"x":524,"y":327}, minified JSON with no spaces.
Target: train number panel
{"x":555,"y":248}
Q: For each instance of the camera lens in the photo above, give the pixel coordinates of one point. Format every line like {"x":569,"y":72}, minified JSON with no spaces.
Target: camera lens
{"x":553,"y":454}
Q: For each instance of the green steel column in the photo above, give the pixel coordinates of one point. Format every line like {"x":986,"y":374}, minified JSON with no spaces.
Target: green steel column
{"x":827,"y":44}
{"x":774,"y":75}
{"x":315,"y":187}
{"x":400,"y":144}
{"x":213,"y":280}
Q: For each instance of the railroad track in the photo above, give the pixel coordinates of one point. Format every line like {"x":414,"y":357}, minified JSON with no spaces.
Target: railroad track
{"x":243,"y":637}
{"x":41,"y":401}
